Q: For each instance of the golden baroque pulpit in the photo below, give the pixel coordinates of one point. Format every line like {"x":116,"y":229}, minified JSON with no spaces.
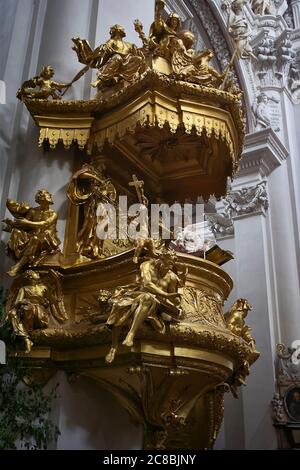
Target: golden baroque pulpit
{"x":145,"y":321}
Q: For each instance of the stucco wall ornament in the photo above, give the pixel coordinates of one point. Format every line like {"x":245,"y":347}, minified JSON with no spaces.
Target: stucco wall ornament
{"x":221,"y":224}
{"x":248,"y":200}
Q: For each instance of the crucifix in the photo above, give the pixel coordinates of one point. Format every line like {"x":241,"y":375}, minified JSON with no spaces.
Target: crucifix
{"x":139,"y":187}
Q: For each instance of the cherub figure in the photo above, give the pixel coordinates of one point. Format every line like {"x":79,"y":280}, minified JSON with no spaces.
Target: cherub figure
{"x":47,"y":87}
{"x":33,"y":231}
{"x":235,"y":320}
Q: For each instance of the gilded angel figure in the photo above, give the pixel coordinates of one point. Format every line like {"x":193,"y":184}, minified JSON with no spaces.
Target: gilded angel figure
{"x":192,"y":66}
{"x":162,"y":32}
{"x":34,"y":298}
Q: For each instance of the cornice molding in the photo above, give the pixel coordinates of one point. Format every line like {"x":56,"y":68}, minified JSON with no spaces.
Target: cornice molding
{"x":263,"y":153}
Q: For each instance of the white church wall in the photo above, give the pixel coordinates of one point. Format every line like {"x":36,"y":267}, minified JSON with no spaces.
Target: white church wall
{"x":7,"y":19}
{"x":250,"y":234}
{"x":89,"y":418}
{"x":14,"y":120}
{"x":284,"y":248}
{"x":233,"y":428}
{"x":247,"y":420}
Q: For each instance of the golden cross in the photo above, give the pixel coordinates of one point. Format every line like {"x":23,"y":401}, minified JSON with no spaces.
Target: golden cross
{"x":138,"y":185}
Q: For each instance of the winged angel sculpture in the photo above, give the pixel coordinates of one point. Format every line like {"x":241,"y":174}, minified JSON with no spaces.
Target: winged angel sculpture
{"x":35,"y":298}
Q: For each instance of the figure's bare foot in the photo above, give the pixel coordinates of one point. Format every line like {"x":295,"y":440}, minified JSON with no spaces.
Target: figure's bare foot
{"x":12,"y":272}
{"x":128,"y":341}
{"x":111,"y":356}
{"x":95,"y":84}
{"x":28,"y":345}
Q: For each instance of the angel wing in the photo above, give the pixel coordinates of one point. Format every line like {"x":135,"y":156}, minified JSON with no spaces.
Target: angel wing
{"x":11,"y":298}
{"x":55,"y":295}
{"x":32,"y":83}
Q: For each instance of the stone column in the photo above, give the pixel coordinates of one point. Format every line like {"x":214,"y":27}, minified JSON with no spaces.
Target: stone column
{"x":2,"y":92}
{"x":296,"y":12}
{"x":257,"y":269}
{"x":253,"y":283}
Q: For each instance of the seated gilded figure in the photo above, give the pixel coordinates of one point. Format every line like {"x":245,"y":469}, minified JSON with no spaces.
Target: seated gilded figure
{"x":154,"y":298}
{"x":116,"y":60}
{"x":168,"y":40}
{"x":192,"y":66}
{"x":32,"y":232}
{"x":42,"y":86}
{"x":34,"y":297}
{"x":235,"y":322}
{"x":162,"y":32}
{"x":90,"y":188}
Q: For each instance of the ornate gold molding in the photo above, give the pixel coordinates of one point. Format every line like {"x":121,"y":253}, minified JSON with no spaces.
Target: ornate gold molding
{"x":54,"y":129}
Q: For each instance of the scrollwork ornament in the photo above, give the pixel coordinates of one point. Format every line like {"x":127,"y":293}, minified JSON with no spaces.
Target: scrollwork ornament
{"x":248,"y":200}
